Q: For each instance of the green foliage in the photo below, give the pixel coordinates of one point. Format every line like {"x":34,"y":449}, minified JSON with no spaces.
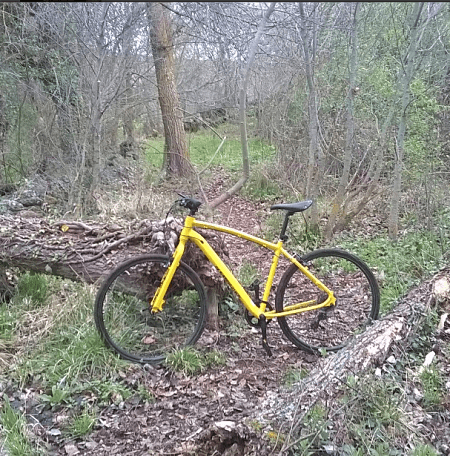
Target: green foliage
{"x":58,"y":396}
{"x":314,"y":431}
{"x":82,"y":424}
{"x":297,"y":106}
{"x":214,"y":358}
{"x":33,"y":287}
{"x":247,"y":273}
{"x":301,"y":236}
{"x":14,"y":432}
{"x":262,"y":184}
{"x":229,"y":305}
{"x":378,"y":86}
{"x":398,"y":265}
{"x":432,"y":386}
{"x":374,"y":411}
{"x":293,"y":375}
{"x":146,"y":395}
{"x":21,"y":117}
{"x":424,"y":338}
{"x":421,"y":143}
{"x":424,"y":450}
{"x":190,"y":361}
{"x":8,"y":322}
{"x":107,"y":391}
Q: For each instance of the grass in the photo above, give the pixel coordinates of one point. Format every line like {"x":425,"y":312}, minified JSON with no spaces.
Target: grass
{"x":190,"y":361}
{"x":14,"y":432}
{"x":71,"y":349}
{"x":204,"y":144}
{"x":399,"y":265}
{"x":55,"y":341}
{"x":82,"y":423}
{"x":33,"y":287}
{"x":432,"y":386}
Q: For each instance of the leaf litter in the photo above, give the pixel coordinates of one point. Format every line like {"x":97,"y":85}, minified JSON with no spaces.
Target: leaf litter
{"x":206,"y":414}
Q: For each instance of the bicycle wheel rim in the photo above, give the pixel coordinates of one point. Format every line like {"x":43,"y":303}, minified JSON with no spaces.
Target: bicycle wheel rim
{"x":357,"y":300}
{"x":124,"y":319}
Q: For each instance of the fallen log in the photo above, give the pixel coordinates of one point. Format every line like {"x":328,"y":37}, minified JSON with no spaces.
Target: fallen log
{"x":326,"y":382}
{"x":88,"y":251}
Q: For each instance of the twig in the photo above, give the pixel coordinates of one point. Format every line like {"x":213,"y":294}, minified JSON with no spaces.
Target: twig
{"x":213,"y":157}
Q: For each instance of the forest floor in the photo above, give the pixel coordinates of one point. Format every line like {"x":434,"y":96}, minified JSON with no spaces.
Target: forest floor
{"x":189,"y":410}
{"x":206,"y":414}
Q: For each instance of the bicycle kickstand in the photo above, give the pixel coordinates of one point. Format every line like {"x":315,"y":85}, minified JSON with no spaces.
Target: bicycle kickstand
{"x":263,"y":324}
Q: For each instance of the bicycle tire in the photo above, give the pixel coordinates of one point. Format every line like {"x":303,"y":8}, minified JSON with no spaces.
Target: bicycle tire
{"x":122,"y":310}
{"x":330,"y":328}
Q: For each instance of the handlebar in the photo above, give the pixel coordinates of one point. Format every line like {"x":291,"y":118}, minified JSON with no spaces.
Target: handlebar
{"x":189,"y":203}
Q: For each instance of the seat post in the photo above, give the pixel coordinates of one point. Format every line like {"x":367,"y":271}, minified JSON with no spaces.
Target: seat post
{"x":283,"y":235}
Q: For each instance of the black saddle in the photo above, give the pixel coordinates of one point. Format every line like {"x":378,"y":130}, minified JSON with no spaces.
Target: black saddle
{"x":293,"y":207}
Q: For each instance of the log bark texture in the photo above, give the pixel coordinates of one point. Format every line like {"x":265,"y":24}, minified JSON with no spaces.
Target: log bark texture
{"x":389,"y":335}
{"x":87,"y":252}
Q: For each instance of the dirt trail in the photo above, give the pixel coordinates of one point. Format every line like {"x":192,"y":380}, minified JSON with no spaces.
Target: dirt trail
{"x":204,"y":413}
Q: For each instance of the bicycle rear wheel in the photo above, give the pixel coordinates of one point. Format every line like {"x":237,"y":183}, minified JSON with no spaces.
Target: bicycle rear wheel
{"x":122,"y":310}
{"x":330,"y":328}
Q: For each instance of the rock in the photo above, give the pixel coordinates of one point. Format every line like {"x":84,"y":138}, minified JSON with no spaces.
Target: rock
{"x":9,"y":205}
{"x":227,"y":425}
{"x":29,"y":198}
{"x":71,"y":449}
{"x":441,"y":289}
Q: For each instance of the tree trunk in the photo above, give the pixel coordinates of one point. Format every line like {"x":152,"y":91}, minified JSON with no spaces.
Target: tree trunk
{"x":176,"y":154}
{"x":315,"y":157}
{"x":336,"y":210}
{"x":406,"y":81}
{"x":243,"y":113}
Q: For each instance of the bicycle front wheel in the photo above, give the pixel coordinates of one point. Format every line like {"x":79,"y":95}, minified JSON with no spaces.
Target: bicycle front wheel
{"x":330,"y":328}
{"x":125,"y":321}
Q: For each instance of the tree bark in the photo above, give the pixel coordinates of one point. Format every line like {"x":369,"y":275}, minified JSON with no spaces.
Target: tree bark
{"x":367,"y":351}
{"x":315,"y":157}
{"x":176,"y":154}
{"x":399,"y":152}
{"x":81,"y":252}
{"x":336,"y":210}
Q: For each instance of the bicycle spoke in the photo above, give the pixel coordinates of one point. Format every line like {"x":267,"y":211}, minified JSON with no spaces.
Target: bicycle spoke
{"x":357,"y":300}
{"x":125,"y":321}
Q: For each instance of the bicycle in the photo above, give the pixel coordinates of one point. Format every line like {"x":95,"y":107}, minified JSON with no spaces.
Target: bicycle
{"x":153,"y":304}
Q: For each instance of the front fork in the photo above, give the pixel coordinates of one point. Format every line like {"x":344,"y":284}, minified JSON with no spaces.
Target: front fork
{"x":157,"y":302}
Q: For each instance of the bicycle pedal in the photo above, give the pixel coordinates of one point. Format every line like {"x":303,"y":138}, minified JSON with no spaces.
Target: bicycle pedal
{"x":251,"y":320}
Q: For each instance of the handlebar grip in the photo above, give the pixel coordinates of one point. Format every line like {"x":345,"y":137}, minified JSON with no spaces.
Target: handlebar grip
{"x":189,"y":203}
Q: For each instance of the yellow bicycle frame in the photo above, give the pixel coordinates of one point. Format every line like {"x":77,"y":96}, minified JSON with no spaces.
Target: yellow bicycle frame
{"x":188,"y":233}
